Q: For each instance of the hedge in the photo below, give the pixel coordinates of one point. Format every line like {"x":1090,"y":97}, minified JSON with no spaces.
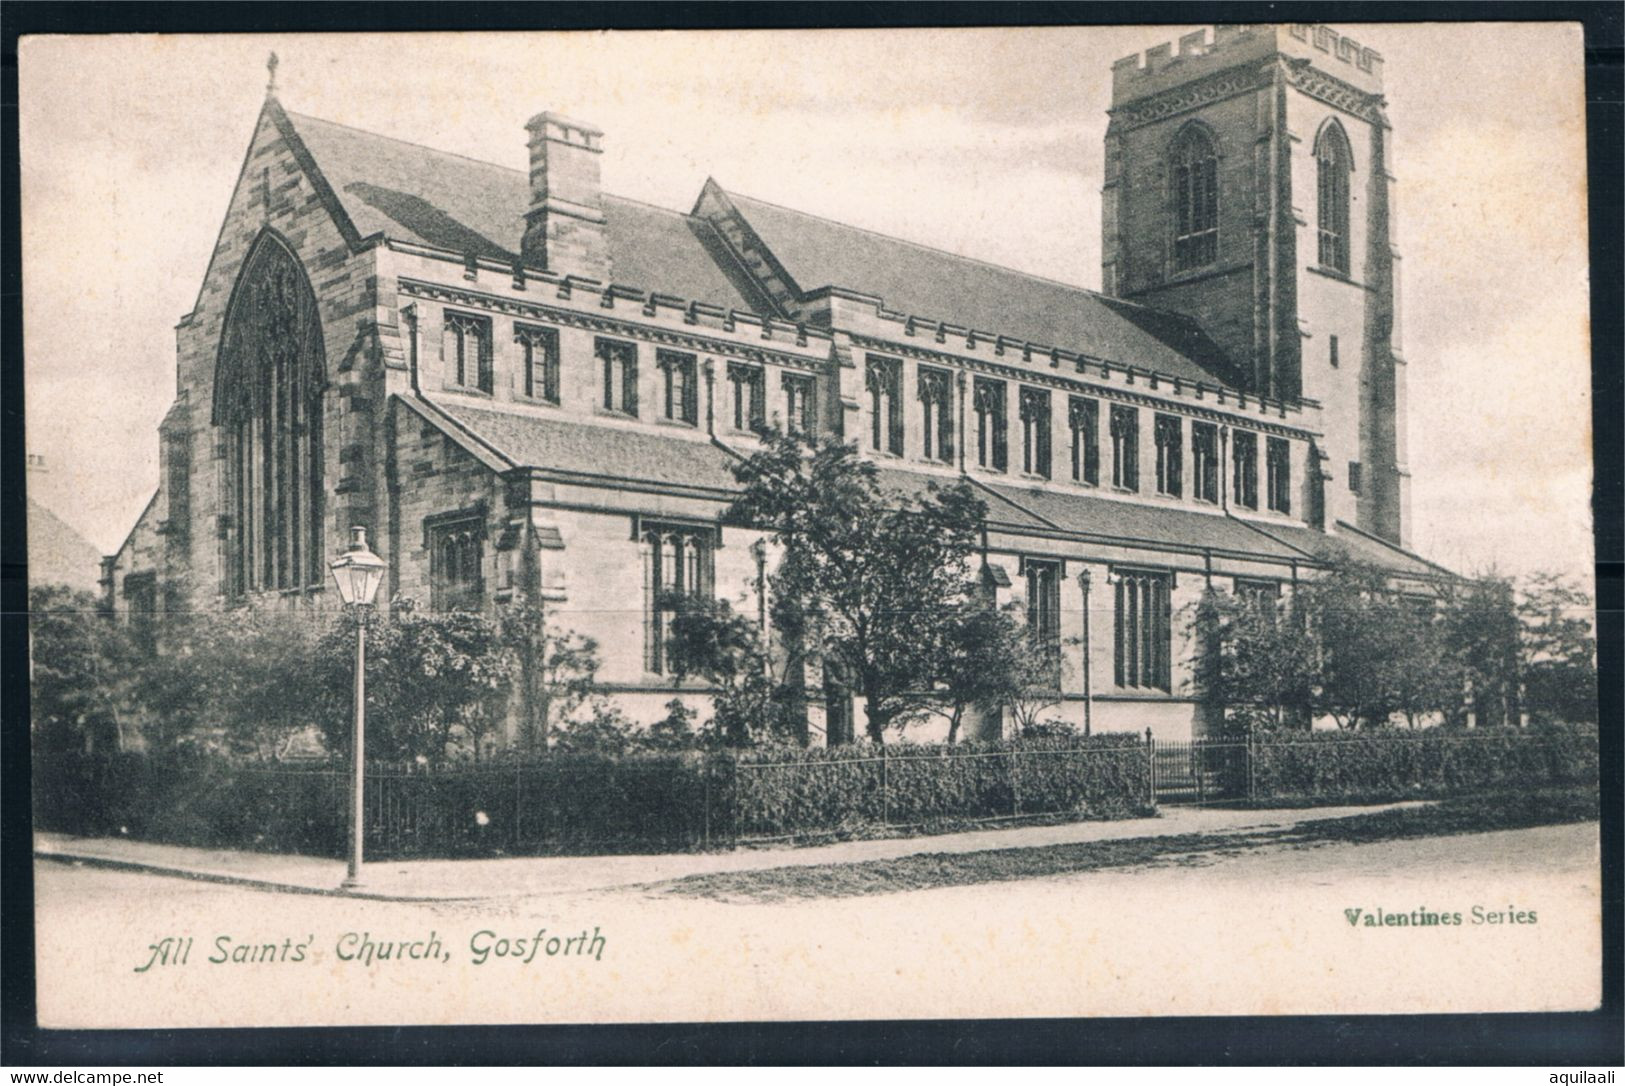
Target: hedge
{"x":1435,"y":762}
{"x":566,"y":803}
{"x":843,"y":789}
{"x":584,"y":803}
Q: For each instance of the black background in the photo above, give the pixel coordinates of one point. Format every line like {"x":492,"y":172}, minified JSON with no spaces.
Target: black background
{"x":1555,"y":1040}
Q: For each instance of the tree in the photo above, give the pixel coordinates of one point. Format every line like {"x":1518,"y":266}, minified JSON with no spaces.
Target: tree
{"x":80,"y":664}
{"x":562,"y":668}
{"x":1035,"y":680}
{"x":1428,"y":682}
{"x":1257,"y":659}
{"x":979,"y":663}
{"x":879,"y":570}
{"x":1479,"y":628}
{"x":709,"y":639}
{"x":1558,"y":649}
{"x":438,"y":683}
{"x":261,"y":667}
{"x":172,"y":689}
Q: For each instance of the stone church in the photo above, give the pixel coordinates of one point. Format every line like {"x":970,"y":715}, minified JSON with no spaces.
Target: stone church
{"x":526,"y":387}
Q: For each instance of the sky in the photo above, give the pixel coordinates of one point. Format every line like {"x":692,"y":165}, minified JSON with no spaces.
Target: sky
{"x":985,"y":142}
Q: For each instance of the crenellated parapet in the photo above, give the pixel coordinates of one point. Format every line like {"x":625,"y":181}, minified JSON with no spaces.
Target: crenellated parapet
{"x":1340,"y":46}
{"x":1210,"y":51}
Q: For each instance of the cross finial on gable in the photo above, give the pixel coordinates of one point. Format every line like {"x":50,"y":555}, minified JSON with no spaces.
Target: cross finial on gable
{"x":270,"y":84}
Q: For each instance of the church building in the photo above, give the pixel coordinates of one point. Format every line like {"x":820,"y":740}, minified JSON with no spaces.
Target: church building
{"x":524,"y":387}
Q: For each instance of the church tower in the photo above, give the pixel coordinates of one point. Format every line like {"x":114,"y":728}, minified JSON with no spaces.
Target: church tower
{"x":1247,"y":184}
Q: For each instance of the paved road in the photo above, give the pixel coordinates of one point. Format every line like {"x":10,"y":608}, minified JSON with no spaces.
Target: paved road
{"x":1258,"y":933}
{"x":534,"y":875}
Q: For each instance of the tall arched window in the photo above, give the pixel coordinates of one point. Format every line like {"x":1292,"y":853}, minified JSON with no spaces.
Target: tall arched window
{"x":1334,"y":163}
{"x":268,"y":402}
{"x":1196,"y":199}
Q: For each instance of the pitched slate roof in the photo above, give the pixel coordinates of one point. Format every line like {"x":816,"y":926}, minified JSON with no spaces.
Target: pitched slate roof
{"x":593,"y":451}
{"x":413,"y":193}
{"x":941,"y":286}
{"x":1104,"y":518}
{"x":1350,"y":544}
{"x":916,"y":484}
{"x":598,"y":450}
{"x":58,"y":554}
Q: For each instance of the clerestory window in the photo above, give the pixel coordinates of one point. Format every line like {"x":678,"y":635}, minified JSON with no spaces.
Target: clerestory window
{"x":800,"y":409}
{"x":1204,"y":462}
{"x":1125,"y":447}
{"x":1083,"y":417}
{"x":619,"y":362}
{"x":884,"y":381}
{"x":992,"y":450}
{"x":1169,"y":434}
{"x":1035,"y":432}
{"x":1278,"y":466}
{"x":937,"y":422}
{"x":466,"y":351}
{"x":749,"y":393}
{"x":680,"y":372}
{"x":539,"y":361}
{"x":1244,"y":464}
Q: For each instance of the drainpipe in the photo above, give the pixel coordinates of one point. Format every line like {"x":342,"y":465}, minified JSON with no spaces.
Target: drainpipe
{"x":959,"y":379}
{"x":410,"y":315}
{"x":710,"y":397}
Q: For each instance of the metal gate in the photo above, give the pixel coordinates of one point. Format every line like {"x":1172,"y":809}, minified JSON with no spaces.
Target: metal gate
{"x":1200,"y":771}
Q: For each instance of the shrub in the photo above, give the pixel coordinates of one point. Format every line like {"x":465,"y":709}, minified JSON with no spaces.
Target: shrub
{"x":1389,"y":763}
{"x":79,"y":667}
{"x":587,"y":800}
{"x":675,"y":730}
{"x":823,"y":790}
{"x":565,"y":803}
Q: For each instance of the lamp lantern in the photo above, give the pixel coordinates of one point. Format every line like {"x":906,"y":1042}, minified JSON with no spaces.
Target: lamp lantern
{"x":357,"y":571}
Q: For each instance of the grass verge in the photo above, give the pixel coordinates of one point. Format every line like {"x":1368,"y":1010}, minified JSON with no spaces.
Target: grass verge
{"x":1466,"y":814}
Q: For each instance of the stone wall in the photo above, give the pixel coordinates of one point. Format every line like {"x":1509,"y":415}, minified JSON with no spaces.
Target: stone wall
{"x":276,"y":192}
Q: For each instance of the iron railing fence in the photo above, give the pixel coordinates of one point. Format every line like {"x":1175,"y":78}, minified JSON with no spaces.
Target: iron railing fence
{"x":1201,"y":770}
{"x":575,"y":803}
{"x":585,"y":803}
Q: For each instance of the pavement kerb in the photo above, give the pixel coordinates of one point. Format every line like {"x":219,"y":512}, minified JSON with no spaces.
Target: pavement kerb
{"x":65,"y":853}
{"x":110,"y":863}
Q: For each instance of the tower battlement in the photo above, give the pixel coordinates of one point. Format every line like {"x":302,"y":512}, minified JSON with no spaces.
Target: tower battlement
{"x":1212,"y":49}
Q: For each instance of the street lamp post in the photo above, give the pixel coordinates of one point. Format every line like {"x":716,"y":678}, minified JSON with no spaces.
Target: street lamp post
{"x":357,"y":572}
{"x":1088,"y":663}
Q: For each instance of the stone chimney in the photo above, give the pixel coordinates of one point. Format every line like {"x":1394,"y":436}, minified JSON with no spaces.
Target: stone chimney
{"x":564,"y":228}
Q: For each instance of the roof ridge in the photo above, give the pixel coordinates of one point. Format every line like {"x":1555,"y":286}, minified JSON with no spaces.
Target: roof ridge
{"x":768,"y":203}
{"x":407,"y":143}
{"x":1109,"y":298}
{"x":654,"y":207}
{"x":1391,"y":545}
{"x":479,"y":161}
{"x":930,"y":248}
